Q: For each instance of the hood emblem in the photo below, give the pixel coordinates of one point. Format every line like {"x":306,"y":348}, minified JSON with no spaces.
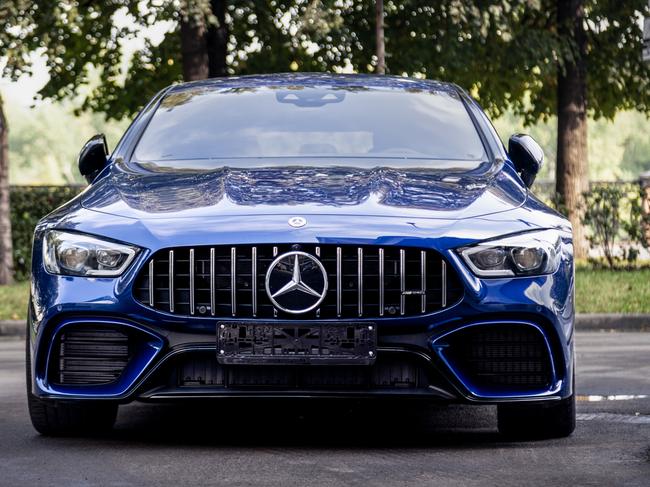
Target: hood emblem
{"x":296,"y":282}
{"x":297,"y":221}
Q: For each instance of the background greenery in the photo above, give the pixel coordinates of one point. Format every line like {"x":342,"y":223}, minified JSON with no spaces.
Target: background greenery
{"x":28,"y":205}
{"x":44,"y":141}
{"x":618,"y":149}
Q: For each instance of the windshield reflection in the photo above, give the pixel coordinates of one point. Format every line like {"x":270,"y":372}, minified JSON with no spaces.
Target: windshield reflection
{"x":310,"y":116}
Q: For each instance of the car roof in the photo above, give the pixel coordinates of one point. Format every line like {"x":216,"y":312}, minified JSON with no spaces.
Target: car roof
{"x":341,"y":81}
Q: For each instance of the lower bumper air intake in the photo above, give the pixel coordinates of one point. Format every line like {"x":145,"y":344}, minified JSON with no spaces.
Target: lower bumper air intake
{"x":499,"y":359}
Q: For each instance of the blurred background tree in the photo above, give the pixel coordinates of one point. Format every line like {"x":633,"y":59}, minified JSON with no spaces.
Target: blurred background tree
{"x":15,"y":21}
{"x":85,"y":44}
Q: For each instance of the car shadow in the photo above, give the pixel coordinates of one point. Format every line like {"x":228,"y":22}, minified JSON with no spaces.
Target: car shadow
{"x":307,"y":424}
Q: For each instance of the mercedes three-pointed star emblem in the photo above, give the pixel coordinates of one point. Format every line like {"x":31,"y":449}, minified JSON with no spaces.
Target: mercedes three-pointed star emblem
{"x":296,"y":282}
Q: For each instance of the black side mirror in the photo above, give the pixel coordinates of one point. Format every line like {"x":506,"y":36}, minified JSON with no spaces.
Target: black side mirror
{"x":527,"y":156}
{"x":93,"y":157}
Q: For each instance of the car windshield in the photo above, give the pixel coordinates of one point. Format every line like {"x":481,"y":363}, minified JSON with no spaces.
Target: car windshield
{"x":318,"y":123}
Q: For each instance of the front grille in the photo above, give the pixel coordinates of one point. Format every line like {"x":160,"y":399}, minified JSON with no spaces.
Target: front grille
{"x":501,"y":357}
{"x":366,"y":281}
{"x":397,"y":371}
{"x":90,"y":356}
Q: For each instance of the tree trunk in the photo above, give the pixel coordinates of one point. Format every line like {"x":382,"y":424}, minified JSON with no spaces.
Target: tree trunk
{"x":572,"y":175}
{"x":381,"y":46}
{"x":6,"y":248}
{"x":217,"y":40}
{"x":193,"y":47}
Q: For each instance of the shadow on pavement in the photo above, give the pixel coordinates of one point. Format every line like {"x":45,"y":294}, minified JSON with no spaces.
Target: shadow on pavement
{"x":307,"y":423}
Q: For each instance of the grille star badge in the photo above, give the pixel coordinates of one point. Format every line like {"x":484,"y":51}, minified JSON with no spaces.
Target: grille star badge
{"x":296,"y":282}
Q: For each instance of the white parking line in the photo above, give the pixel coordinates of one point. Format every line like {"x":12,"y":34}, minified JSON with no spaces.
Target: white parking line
{"x":614,"y":397}
{"x":614,"y":418}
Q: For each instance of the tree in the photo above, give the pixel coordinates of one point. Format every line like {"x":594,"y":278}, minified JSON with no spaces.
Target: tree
{"x":82,"y":43}
{"x":6,"y":249}
{"x":572,"y":172}
{"x":537,"y":58}
{"x":18,"y":59}
{"x":379,"y":27}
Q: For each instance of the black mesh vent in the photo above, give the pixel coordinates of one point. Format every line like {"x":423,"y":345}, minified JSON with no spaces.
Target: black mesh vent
{"x":396,"y":371}
{"x":244,"y":295}
{"x":501,"y":357}
{"x":90,"y":355}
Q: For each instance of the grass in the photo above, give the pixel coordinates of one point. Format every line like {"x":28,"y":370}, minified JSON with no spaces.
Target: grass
{"x":612,"y":291}
{"x":597,"y":291}
{"x":13,"y":301}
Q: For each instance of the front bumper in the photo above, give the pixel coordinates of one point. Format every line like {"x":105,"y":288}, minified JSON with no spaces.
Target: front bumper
{"x":543,"y":303}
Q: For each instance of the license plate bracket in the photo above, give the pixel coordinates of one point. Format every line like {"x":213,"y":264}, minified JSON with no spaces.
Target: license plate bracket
{"x":250,"y":343}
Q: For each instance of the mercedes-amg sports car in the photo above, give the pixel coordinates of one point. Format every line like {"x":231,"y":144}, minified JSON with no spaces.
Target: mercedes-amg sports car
{"x":311,"y":236}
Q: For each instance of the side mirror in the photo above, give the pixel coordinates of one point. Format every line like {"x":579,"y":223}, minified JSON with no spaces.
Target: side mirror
{"x":93,"y":157}
{"x":527,"y":156}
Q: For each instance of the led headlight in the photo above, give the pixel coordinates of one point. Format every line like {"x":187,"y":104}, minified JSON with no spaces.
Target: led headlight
{"x":75,"y":254}
{"x":526,"y":254}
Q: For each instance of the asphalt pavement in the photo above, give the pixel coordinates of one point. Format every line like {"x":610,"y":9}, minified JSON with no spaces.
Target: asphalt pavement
{"x":333,"y":443}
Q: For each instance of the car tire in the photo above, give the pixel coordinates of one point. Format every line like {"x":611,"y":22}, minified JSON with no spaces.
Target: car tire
{"x":539,"y":421}
{"x":57,"y":418}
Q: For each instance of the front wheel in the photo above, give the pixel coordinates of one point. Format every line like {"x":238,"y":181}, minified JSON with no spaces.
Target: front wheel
{"x":538,"y":421}
{"x":56,"y":418}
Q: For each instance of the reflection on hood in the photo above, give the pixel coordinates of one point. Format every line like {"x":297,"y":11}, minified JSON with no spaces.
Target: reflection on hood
{"x":166,"y":192}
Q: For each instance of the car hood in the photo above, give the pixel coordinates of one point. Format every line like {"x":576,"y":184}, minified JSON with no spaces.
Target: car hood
{"x":298,"y":190}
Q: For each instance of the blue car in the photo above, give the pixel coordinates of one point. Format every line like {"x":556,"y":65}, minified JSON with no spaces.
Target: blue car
{"x":303,"y":235}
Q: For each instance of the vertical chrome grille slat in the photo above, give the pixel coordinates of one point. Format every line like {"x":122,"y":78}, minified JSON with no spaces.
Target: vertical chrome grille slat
{"x":370,"y":281}
{"x":402,"y":280}
{"x":360,"y":281}
{"x":254,"y":278}
{"x":171,"y":281}
{"x":339,"y":280}
{"x":423,"y":281}
{"x":233,"y":280}
{"x":381,"y":282}
{"x":151,"y":284}
{"x":213,"y":291}
{"x":192,"y":282}
{"x":443,"y":277}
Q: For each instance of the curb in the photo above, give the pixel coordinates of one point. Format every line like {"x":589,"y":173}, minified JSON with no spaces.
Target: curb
{"x":584,"y":322}
{"x":612,"y":322}
{"x":12,"y":328}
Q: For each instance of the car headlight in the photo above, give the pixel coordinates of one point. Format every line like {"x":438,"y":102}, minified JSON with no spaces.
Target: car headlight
{"x":525,"y":254}
{"x":75,"y":254}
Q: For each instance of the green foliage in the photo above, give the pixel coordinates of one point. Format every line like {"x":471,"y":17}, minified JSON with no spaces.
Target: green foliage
{"x":617,"y":223}
{"x":612,"y":291}
{"x":636,"y":152}
{"x":79,"y":39}
{"x":44,"y":142}
{"x":507,"y":53}
{"x":618,"y":148}
{"x":28,"y":205}
{"x":13,"y":301}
